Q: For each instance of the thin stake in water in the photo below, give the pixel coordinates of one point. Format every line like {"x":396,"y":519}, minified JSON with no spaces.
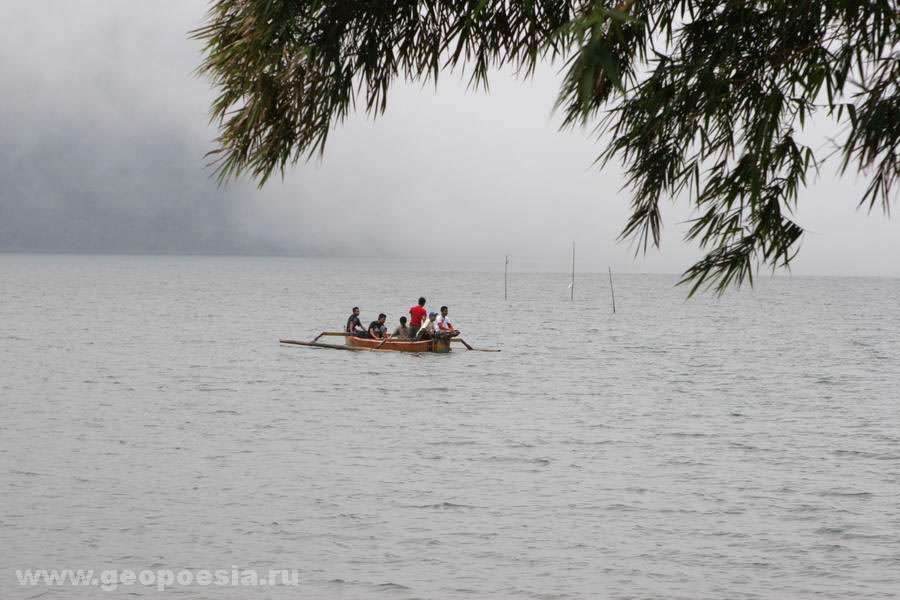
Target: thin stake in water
{"x":611,"y":290}
{"x":572,"y":285}
{"x":505,"y":271}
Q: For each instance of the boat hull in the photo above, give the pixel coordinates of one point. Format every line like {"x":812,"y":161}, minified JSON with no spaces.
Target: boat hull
{"x":441,"y":345}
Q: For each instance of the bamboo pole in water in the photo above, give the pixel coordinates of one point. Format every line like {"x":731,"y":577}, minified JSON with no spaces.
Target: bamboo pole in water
{"x":611,"y":290}
{"x":505,"y":271}
{"x":572,"y":287}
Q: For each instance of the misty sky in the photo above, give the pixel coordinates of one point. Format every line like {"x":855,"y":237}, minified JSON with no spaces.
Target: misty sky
{"x":103,"y":130}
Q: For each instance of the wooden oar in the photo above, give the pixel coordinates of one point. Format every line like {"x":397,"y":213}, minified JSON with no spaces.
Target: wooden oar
{"x":468,"y":347}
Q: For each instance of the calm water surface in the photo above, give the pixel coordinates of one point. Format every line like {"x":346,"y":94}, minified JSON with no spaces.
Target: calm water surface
{"x":747,"y":447}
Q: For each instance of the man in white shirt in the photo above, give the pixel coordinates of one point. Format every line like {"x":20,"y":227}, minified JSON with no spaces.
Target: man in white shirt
{"x":426,"y":332}
{"x":443,"y":326}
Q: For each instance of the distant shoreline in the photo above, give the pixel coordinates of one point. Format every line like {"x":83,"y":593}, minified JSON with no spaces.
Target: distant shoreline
{"x":521,"y":266}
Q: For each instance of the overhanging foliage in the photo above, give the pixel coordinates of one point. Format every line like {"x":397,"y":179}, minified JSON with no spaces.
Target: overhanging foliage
{"x":697,"y":98}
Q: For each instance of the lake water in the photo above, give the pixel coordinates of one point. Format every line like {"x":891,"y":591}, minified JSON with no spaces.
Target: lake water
{"x":743,"y":447}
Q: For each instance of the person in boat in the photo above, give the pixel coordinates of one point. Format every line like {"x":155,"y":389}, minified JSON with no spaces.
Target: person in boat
{"x":417,"y":316}
{"x":443,"y":326}
{"x":377,"y":330}
{"x":426,"y":332}
{"x":354,"y":327}
{"x":402,"y":331}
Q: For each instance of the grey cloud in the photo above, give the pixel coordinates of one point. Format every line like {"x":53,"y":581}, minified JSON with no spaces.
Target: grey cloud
{"x":103,"y":131}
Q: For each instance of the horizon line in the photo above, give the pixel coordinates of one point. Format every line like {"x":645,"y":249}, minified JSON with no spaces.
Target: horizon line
{"x":228,"y":254}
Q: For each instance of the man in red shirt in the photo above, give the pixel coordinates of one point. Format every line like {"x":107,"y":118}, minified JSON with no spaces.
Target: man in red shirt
{"x":417,"y":315}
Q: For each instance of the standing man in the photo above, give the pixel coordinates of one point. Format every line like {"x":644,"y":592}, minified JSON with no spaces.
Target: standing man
{"x":417,"y":315}
{"x":377,"y":330}
{"x":354,"y":327}
{"x":443,"y":326}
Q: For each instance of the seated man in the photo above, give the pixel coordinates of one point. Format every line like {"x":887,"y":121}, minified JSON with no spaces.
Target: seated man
{"x":426,"y":332}
{"x":377,"y":330}
{"x":443,"y":326}
{"x":354,"y":327}
{"x":402,"y":331}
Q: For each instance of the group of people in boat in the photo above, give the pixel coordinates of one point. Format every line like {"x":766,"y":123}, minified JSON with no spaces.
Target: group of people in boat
{"x":421,"y":325}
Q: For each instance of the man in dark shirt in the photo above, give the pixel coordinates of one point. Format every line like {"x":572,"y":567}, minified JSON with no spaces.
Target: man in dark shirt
{"x":354,"y":327}
{"x":377,"y":330}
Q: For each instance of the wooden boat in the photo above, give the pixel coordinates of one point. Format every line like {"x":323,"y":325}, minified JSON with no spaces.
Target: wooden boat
{"x":439,"y":346}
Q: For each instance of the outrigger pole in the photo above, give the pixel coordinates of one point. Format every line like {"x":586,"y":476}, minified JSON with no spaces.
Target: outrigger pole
{"x":340,"y":333}
{"x":315,"y":343}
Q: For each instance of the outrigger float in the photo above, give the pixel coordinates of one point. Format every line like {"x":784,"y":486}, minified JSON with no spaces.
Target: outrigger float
{"x":440,"y":345}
